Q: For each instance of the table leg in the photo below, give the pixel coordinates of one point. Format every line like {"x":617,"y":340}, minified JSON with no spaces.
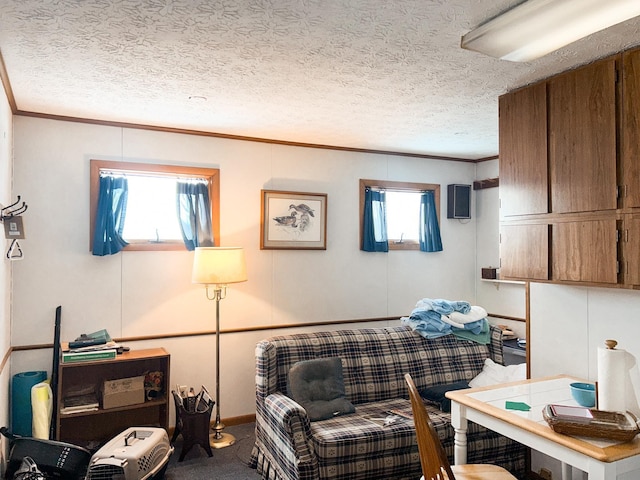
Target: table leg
{"x":602,"y":471}
{"x":459,"y":424}
{"x":567,"y":471}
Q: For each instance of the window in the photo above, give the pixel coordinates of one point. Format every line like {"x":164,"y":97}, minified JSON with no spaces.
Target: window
{"x":402,"y":207}
{"x":150,"y":215}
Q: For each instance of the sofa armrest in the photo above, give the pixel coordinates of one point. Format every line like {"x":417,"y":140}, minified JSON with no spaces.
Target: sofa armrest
{"x":283,"y":434}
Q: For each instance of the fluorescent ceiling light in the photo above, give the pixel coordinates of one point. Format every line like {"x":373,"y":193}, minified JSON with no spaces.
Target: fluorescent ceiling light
{"x":538,"y":27}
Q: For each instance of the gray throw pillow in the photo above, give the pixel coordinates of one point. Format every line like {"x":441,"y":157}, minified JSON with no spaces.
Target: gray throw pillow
{"x":317,"y":385}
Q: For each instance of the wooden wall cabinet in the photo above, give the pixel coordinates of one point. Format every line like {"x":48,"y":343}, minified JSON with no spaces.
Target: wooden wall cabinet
{"x":92,"y":428}
{"x":631,"y":249}
{"x":524,"y":251}
{"x":523,"y":151}
{"x":630,"y":129}
{"x":589,"y":169}
{"x":582,"y":139}
{"x":585,"y":251}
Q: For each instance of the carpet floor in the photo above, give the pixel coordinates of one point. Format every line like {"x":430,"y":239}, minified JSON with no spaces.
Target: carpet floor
{"x":229,"y":463}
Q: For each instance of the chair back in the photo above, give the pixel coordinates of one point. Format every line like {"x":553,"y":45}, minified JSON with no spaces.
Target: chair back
{"x":435,"y":465}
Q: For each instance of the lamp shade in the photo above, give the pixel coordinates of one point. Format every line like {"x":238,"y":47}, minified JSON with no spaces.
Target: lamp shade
{"x":219,"y":265}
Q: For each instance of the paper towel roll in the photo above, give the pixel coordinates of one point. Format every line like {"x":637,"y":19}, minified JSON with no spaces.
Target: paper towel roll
{"x":612,"y":379}
{"x":21,"y":415}
{"x":41,"y":405}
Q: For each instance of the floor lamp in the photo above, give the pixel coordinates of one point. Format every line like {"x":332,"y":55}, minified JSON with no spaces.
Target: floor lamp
{"x":216,"y":267}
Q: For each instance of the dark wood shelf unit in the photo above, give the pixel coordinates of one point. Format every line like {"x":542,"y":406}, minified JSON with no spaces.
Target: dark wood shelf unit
{"x":93,"y":428}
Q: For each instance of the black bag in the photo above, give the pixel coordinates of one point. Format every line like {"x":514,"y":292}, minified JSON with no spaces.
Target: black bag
{"x":56,"y":460}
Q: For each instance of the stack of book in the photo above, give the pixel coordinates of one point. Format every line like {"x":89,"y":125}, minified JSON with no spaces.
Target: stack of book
{"x":82,"y":398}
{"x":106,"y":352}
{"x":88,"y":348}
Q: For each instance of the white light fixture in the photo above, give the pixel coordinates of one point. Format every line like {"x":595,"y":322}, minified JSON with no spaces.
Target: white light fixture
{"x":216,"y":267}
{"x":538,"y":27}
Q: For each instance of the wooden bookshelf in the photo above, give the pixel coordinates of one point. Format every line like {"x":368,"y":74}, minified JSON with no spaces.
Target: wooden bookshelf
{"x":94,"y":427}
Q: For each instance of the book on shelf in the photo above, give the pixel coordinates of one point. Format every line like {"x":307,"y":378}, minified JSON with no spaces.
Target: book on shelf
{"x":88,"y":356}
{"x":80,"y":409}
{"x":80,"y":403}
{"x":66,"y":347}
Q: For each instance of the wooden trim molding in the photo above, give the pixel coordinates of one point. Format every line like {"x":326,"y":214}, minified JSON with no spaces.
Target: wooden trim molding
{"x":239,"y":137}
{"x":4,"y":77}
{"x":486,"y":159}
{"x":505,"y":317}
{"x":41,"y":346}
{"x":5,"y":359}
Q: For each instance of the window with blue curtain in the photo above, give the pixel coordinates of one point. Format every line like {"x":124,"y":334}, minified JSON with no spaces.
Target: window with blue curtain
{"x":430,"y":240}
{"x":110,"y":215}
{"x":152,"y":221}
{"x":374,"y":228}
{"x":194,"y":213}
{"x":397,"y":215}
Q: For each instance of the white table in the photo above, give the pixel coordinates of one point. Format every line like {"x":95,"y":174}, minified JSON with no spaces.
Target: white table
{"x":601,"y":459}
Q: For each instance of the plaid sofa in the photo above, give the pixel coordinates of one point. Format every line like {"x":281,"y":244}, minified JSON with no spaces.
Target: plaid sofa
{"x":353,"y":447}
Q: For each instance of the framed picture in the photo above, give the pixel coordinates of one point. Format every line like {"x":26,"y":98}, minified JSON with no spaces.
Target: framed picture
{"x":293,"y":220}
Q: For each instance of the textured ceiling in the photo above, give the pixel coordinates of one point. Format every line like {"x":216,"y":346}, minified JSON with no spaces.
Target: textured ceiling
{"x":371,"y":74}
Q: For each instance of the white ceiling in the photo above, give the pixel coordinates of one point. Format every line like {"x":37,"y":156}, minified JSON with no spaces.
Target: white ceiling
{"x":372,"y":74}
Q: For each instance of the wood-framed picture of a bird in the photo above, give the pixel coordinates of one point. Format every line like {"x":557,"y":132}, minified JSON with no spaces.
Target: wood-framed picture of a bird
{"x":293,"y":220}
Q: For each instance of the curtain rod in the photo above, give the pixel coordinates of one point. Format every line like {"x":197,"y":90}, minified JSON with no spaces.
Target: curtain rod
{"x":139,"y":173}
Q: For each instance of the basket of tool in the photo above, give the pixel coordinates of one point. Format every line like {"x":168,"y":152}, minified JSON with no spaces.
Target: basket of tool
{"x":589,"y":422}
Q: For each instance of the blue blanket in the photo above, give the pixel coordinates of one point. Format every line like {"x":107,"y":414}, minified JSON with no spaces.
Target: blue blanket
{"x":426,"y":319}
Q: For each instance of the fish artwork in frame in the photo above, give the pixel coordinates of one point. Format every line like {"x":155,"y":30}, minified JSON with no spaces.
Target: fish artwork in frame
{"x":293,"y":220}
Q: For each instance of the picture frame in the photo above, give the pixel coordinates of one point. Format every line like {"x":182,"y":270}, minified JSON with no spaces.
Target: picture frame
{"x":293,"y":220}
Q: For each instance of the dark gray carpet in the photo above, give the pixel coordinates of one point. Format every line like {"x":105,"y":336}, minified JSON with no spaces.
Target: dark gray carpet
{"x":230,"y":463}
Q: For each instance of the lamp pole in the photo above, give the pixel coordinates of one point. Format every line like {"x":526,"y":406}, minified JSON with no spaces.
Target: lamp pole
{"x":218,"y":439}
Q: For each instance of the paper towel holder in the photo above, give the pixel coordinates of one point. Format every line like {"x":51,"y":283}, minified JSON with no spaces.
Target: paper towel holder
{"x":610,"y":344}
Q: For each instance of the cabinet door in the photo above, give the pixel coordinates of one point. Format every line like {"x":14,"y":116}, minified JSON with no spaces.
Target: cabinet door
{"x":523,"y":151}
{"x":630,"y":129}
{"x":585,"y":251}
{"x":582,"y":139}
{"x":631,"y":249}
{"x":524,"y":251}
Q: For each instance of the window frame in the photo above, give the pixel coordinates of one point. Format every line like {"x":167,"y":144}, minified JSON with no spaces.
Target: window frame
{"x":391,"y":185}
{"x":211,"y":175}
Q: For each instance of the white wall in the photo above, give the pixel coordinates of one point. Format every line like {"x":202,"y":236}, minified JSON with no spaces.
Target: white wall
{"x":568,"y":324}
{"x":6,"y":147}
{"x":498,"y":298}
{"x":147,"y":293}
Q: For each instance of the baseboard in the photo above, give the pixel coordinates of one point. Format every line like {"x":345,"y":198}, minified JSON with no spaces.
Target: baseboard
{"x":240,"y":420}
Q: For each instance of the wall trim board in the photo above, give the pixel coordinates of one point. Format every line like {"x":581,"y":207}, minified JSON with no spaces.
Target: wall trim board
{"x":4,"y":78}
{"x":486,"y":159}
{"x":22,"y":348}
{"x":157,"y":128}
{"x":505,"y":317}
{"x":242,"y":419}
{"x":5,"y":359}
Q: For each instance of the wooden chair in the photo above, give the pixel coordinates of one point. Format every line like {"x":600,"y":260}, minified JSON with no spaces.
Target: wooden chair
{"x":435,"y":465}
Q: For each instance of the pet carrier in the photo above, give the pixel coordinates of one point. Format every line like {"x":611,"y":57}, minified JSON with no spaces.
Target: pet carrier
{"x":138,"y":453}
